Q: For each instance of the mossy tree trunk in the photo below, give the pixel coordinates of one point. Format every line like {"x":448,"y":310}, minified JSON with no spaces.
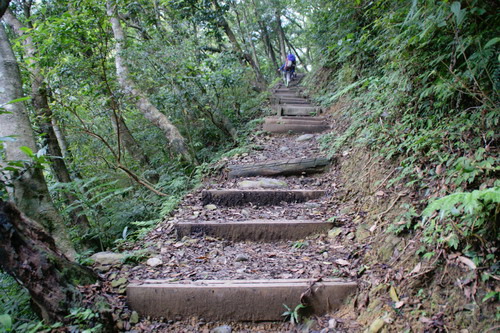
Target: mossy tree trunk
{"x":30,"y":190}
{"x":40,"y":101}
{"x":29,"y":254}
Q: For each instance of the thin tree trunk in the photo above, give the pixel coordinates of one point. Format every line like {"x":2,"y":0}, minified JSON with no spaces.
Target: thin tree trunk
{"x":149,"y":111}
{"x":250,"y":41}
{"x":281,"y":35}
{"x":126,"y":138}
{"x":30,"y":255}
{"x":222,"y":22}
{"x":268,"y":45}
{"x":129,"y":142}
{"x":40,"y":101}
{"x":30,"y":189}
{"x":4,"y":4}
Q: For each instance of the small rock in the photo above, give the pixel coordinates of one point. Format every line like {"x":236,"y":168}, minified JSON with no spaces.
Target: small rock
{"x":241,"y":257}
{"x":103,"y":268}
{"x":284,"y":149}
{"x":334,"y":232}
{"x":312,"y":205}
{"x":304,"y":137}
{"x":245,"y":212}
{"x":362,"y":233}
{"x":153,"y":262}
{"x":222,"y":329}
{"x":134,"y":318}
{"x":210,"y":207}
{"x":108,"y":258}
{"x":350,"y":236}
{"x":332,"y":323}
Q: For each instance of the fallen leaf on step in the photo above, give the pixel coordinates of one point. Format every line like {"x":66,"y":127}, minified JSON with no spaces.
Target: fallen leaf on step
{"x":399,"y":304}
{"x":467,"y":262}
{"x":416,"y":269}
{"x":380,"y":193}
{"x":393,"y":294}
{"x":376,"y":326}
{"x":342,"y":262}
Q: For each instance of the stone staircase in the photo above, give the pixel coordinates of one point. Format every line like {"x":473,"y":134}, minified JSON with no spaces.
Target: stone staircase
{"x":254,"y":299}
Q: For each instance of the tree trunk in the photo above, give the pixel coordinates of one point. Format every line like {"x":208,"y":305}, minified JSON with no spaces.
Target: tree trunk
{"x":268,"y":45}
{"x":127,"y":140}
{"x":40,"y":101}
{"x":222,"y":22}
{"x":4,"y":4}
{"x":250,"y":40}
{"x":30,"y":191}
{"x":266,"y":41}
{"x":30,"y":255}
{"x":281,"y":35}
{"x":149,"y":111}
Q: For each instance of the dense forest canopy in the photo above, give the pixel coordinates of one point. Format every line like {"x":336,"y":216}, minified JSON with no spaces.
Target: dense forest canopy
{"x":130,"y":103}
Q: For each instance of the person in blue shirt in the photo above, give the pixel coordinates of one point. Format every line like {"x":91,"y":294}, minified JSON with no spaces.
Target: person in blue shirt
{"x":289,"y":65}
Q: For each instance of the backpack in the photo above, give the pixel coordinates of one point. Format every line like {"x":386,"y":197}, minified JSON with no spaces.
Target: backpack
{"x":291,"y":57}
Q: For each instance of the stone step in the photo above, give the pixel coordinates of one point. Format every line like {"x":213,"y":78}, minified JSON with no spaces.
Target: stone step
{"x":285,"y":90}
{"x":297,"y":110}
{"x":235,"y":197}
{"x":288,"y":95}
{"x":293,"y":101}
{"x":298,"y":118}
{"x":296,"y":166}
{"x":254,"y":230}
{"x":236,"y":300}
{"x":294,"y":125}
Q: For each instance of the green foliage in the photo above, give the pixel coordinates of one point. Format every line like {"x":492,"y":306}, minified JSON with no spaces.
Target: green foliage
{"x":422,"y":82}
{"x":15,"y":310}
{"x":294,"y":315}
{"x":463,"y":217}
{"x":85,"y":320}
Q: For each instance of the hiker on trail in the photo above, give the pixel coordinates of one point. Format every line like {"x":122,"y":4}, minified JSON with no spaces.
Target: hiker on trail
{"x":289,"y":65}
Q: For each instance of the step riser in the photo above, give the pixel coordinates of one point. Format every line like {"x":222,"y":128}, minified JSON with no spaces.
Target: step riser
{"x":293,"y":101}
{"x":265,"y":231}
{"x":287,"y":95}
{"x":295,"y":119}
{"x":298,"y":112}
{"x":280,"y":168}
{"x":233,"y":198}
{"x":294,"y":129}
{"x":235,"y":300}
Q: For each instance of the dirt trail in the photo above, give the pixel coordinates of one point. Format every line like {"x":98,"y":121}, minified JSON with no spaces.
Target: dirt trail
{"x":200,"y":257}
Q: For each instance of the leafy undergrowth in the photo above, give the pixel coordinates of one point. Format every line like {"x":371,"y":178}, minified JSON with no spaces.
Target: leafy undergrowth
{"x":425,"y":265}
